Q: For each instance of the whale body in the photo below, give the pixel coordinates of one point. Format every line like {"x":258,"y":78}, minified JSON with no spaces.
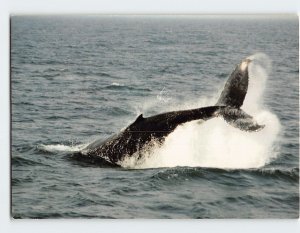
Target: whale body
{"x":133,"y":139}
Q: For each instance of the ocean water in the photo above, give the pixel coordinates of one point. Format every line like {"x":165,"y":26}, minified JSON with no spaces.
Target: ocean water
{"x":75,"y":79}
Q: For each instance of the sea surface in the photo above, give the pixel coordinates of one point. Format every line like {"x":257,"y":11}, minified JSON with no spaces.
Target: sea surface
{"x":75,"y":79}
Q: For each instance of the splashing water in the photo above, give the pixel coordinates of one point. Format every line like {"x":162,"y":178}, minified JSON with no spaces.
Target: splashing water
{"x":214,"y":143}
{"x":163,"y":96}
{"x":62,"y":148}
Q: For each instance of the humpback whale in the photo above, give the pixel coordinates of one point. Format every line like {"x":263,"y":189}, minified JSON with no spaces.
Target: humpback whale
{"x":136,"y":136}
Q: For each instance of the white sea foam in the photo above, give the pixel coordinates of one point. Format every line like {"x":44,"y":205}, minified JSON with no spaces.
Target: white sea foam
{"x":214,"y":143}
{"x":117,"y":84}
{"x":62,"y":148}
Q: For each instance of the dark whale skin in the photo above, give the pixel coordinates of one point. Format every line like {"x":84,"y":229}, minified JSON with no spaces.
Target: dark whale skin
{"x":143,"y":130}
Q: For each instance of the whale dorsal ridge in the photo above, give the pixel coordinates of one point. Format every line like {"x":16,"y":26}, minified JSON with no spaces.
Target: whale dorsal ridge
{"x":139,"y":118}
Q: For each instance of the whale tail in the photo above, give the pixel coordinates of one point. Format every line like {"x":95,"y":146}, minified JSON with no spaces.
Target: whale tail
{"x":240,"y":119}
{"x":233,"y":96}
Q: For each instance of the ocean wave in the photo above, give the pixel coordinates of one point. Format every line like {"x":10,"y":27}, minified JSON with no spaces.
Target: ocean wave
{"x":116,"y":111}
{"x":179,"y":173}
{"x":228,"y":176}
{"x":287,"y":174}
{"x":56,"y":118}
{"x":19,"y":181}
{"x":23,"y":103}
{"x":23,"y":161}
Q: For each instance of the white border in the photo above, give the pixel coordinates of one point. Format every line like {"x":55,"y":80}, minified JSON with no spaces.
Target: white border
{"x":9,"y":7}
{"x":153,"y":6}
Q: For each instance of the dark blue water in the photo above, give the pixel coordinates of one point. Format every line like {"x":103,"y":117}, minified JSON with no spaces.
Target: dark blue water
{"x":78,"y":78}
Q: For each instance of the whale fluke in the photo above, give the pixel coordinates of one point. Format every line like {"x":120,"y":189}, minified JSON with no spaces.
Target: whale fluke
{"x":236,"y":87}
{"x":240,"y":119}
{"x":233,"y":96}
